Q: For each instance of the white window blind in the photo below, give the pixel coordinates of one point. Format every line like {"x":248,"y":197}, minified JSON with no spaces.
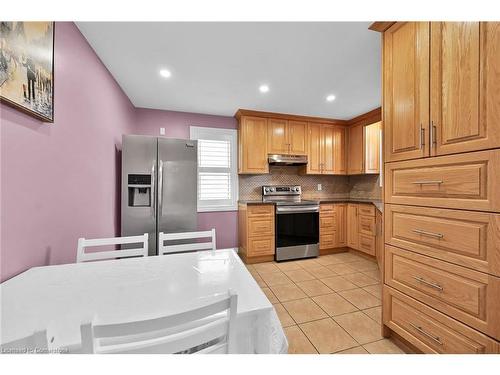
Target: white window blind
{"x":217,"y":168}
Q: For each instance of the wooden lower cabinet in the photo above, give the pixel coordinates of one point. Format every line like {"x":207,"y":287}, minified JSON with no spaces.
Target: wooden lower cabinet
{"x":429,"y":330}
{"x":332,"y":226}
{"x":466,"y":238}
{"x":256,"y":232}
{"x":468,"y":181}
{"x":352,"y":226}
{"x":466,"y":295}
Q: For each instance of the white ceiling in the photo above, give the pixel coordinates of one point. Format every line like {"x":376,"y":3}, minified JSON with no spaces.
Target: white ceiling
{"x":217,"y":67}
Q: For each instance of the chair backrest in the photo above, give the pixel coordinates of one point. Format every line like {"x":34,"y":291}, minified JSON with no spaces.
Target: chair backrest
{"x":82,"y":256}
{"x":195,"y":246}
{"x":206,"y":329}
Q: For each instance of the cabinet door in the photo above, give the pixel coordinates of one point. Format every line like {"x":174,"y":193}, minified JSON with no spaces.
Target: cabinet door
{"x":314,"y":146}
{"x":327,"y":149}
{"x":372,"y":148}
{"x":339,"y":150}
{"x":379,"y":233}
{"x":277,"y":138}
{"x":297,"y":131}
{"x":352,"y":225}
{"x":406,"y":91}
{"x":355,"y":150}
{"x":341,"y":224}
{"x":465,"y":86}
{"x":253,"y":145}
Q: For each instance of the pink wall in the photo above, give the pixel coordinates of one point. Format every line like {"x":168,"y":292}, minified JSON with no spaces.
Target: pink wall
{"x":176,"y":124}
{"x":59,"y":181}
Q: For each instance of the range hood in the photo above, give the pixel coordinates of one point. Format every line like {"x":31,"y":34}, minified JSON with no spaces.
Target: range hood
{"x":287,"y":159}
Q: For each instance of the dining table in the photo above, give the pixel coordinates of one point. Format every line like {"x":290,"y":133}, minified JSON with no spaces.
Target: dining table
{"x":61,"y":298}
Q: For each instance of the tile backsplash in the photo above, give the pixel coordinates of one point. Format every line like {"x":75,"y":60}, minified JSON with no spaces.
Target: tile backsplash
{"x":364,"y":186}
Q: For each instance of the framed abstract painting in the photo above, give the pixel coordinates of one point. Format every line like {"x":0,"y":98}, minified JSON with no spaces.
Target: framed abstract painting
{"x":27,"y":67}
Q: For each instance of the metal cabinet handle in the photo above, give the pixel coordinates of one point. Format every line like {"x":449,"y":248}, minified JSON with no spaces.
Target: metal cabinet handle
{"x":433,"y":134}
{"x":428,"y":182}
{"x":432,"y":337}
{"x":160,"y":187}
{"x":428,"y":283}
{"x":153,"y":195}
{"x":422,"y":135}
{"x":425,"y":233}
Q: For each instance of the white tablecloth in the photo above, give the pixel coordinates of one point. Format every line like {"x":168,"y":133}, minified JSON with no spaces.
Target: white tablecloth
{"x":62,"y":297}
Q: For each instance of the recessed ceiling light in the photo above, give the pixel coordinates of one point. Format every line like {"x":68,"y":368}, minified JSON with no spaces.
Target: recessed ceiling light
{"x":330,"y":98}
{"x":165,"y":73}
{"x":263,"y":88}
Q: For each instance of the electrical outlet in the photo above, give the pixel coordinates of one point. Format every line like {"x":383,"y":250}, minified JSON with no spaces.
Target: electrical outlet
{"x":320,"y":187}
{"x":162,"y":131}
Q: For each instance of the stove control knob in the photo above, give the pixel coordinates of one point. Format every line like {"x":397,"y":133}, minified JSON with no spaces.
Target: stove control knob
{"x":272,"y":190}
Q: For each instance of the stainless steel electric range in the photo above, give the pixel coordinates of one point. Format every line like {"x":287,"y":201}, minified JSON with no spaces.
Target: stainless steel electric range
{"x":297,"y":222}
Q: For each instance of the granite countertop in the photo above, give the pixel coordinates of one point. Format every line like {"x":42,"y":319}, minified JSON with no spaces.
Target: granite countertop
{"x":376,"y":202}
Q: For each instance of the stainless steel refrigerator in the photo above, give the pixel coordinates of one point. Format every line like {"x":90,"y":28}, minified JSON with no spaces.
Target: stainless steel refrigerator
{"x":159,"y":186}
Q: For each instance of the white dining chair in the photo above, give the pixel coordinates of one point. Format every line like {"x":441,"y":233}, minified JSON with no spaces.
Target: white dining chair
{"x":82,"y":256}
{"x":203,"y":330}
{"x":195,"y":246}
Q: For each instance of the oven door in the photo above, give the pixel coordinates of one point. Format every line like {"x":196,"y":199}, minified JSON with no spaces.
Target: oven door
{"x":297,"y":232}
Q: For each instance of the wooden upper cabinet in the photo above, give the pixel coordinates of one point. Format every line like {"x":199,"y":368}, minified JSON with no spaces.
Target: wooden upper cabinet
{"x":465,"y":86}
{"x":372,"y":148}
{"x":339,"y":150}
{"x":252,"y":145}
{"x":314,"y":147}
{"x":286,"y":137}
{"x":297,"y":137}
{"x":277,"y":137}
{"x":406,"y":91}
{"x":355,"y":150}
{"x":327,"y":149}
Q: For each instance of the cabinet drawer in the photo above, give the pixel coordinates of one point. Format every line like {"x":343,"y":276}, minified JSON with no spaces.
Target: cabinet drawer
{"x":429,"y":330}
{"x":326,"y":208}
{"x":465,"y":181}
{"x":327,"y":222}
{"x":467,"y":238}
{"x":367,"y":225}
{"x":260,"y":246}
{"x":464,"y":294}
{"x":260,"y":210}
{"x":327,"y":241}
{"x":367,"y":244}
{"x":260,"y":226}
{"x":366,"y":209}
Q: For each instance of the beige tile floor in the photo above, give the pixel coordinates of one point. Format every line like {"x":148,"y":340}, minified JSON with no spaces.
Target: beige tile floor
{"x":330,"y":304}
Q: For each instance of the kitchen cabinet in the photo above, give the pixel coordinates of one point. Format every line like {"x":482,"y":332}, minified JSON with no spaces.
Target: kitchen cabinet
{"x":252,"y":145}
{"x":326,"y":149}
{"x":439,"y":80}
{"x":379,"y":243}
{"x":355,"y":150}
{"x":286,"y":137}
{"x":406,"y":90}
{"x":442,"y":157}
{"x":352,"y":226}
{"x":465,"y":84}
{"x":322,"y":140}
{"x":364,"y":143}
{"x":372,"y":148}
{"x":256,"y":232}
{"x":332,"y":226}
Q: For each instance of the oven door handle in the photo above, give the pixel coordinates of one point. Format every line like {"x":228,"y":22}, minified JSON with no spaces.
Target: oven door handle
{"x":296,"y":210}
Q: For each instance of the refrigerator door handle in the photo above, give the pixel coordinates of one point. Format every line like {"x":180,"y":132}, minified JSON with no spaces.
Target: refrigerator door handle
{"x":160,"y":187}
{"x":153,"y":199}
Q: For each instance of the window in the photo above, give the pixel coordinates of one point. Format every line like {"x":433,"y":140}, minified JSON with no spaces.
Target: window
{"x":217,"y":168}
